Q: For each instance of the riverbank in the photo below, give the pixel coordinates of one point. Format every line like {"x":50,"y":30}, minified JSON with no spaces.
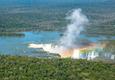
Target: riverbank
{"x":28,"y":68}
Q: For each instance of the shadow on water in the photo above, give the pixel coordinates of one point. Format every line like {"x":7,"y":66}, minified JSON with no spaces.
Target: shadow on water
{"x":11,"y":34}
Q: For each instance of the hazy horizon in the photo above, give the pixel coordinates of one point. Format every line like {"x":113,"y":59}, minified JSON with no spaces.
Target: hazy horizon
{"x":46,"y":2}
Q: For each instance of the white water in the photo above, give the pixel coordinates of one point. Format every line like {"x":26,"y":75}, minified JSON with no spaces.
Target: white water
{"x":76,"y":25}
{"x":78,"y":21}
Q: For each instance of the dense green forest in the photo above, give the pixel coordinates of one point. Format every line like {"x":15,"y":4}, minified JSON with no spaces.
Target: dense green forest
{"x":37,"y":16}
{"x":28,"y":68}
{"x":19,"y":16}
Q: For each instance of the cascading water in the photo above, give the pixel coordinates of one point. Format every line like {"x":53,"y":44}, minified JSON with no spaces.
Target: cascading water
{"x":67,"y":46}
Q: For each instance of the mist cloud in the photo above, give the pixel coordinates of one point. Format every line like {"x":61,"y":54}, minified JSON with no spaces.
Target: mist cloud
{"x":77,"y":23}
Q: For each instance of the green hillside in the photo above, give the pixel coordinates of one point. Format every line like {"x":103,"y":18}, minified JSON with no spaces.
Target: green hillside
{"x":27,"y":68}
